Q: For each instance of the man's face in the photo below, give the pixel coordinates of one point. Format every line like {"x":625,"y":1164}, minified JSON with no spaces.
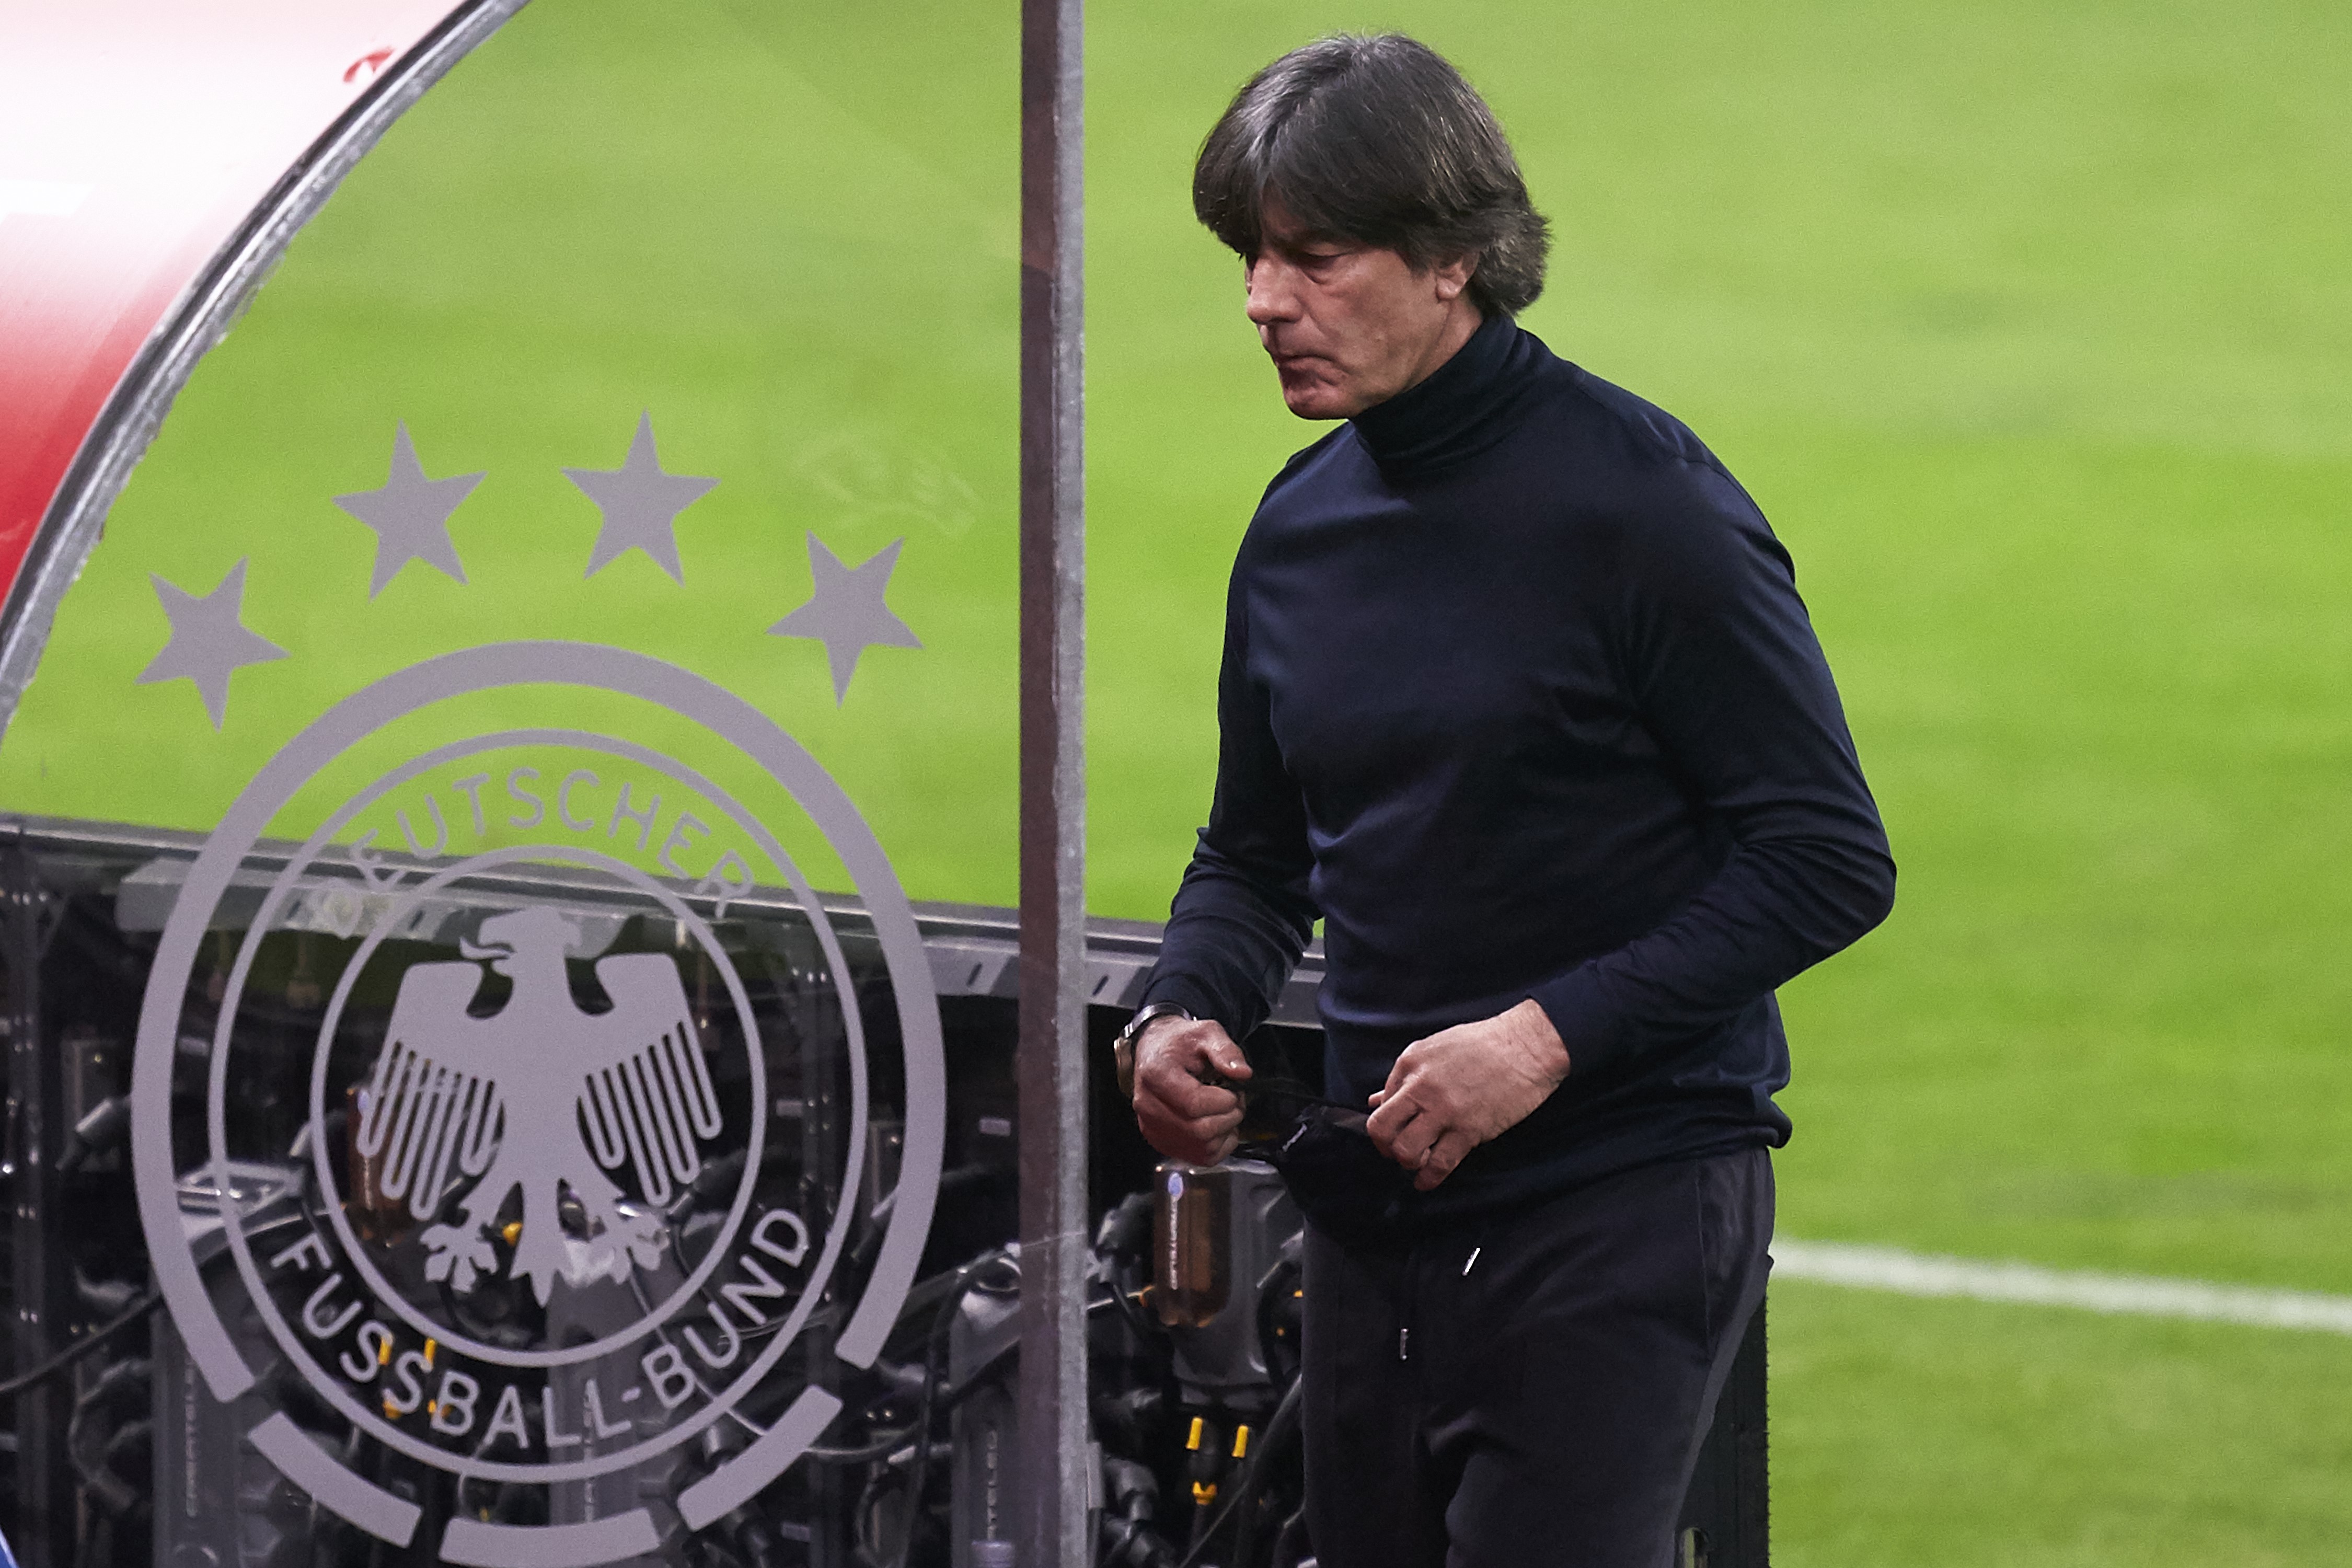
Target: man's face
{"x":1348,"y":325}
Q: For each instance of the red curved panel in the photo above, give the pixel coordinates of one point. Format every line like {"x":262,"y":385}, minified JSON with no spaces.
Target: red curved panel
{"x":135,"y":137}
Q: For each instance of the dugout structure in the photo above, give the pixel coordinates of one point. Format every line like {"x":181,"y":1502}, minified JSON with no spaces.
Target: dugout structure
{"x":337,"y":810}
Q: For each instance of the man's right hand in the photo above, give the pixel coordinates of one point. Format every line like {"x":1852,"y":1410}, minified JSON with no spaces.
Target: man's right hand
{"x":1183,"y":1115}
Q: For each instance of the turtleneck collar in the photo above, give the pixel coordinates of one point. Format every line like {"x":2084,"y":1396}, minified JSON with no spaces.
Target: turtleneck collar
{"x":1451,"y":414}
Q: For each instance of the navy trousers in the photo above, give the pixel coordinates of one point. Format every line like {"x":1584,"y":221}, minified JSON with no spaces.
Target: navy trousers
{"x":1531,"y":1392}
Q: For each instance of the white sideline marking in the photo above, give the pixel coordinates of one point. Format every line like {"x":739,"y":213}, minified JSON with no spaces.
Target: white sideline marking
{"x":1925,"y":1274}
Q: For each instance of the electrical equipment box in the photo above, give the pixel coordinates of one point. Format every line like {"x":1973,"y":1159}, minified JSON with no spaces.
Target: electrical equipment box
{"x":1192,"y":1314}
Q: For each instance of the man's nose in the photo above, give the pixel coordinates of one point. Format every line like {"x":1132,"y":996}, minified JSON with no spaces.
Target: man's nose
{"x":1273,"y":293}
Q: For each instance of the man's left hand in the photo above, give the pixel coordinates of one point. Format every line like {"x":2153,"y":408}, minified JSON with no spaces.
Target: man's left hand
{"x":1453,"y":1090}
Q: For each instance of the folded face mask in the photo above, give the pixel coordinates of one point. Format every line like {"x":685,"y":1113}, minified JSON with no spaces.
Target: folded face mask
{"x":1347,"y":1188}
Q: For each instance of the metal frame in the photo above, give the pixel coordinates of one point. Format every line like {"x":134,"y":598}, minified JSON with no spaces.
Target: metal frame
{"x":1055,"y":1469}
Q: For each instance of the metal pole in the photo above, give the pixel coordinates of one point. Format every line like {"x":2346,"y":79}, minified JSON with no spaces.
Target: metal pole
{"x":1054,"y":1455}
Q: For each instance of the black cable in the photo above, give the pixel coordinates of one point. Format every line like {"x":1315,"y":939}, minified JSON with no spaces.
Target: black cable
{"x":83,"y":1346}
{"x":1290,"y":1090}
{"x":1277,"y":1433}
{"x":1293,"y":1535}
{"x":935,"y":1352}
{"x":867,"y":1453}
{"x":91,"y":1444}
{"x":1127,"y":1307}
{"x":1283,"y":1275}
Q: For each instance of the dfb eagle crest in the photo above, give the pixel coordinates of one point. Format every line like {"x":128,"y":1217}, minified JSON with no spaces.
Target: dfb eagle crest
{"x":539,"y":1095}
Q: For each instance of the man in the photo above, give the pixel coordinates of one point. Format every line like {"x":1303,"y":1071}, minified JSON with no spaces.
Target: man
{"x":1519,"y":699}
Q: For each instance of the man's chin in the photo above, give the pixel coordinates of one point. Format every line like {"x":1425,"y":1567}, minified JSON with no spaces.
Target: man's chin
{"x":1317,"y":400}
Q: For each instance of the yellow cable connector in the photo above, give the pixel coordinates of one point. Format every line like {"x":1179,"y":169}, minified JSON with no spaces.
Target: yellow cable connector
{"x":1194,"y":1442}
{"x":1240,"y":1442}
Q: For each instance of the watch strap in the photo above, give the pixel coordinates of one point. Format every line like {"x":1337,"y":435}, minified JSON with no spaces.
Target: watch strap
{"x":1123,"y":1048}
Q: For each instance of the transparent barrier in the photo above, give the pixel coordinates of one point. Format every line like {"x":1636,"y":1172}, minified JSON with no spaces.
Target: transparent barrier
{"x":465,"y":819}
{"x":503,"y":861}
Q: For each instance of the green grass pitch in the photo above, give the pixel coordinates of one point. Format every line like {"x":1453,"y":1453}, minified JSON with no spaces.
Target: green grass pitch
{"x":2027,"y":323}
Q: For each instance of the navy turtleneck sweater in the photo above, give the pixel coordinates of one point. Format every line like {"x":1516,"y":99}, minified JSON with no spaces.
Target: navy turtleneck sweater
{"x":1520,"y":698}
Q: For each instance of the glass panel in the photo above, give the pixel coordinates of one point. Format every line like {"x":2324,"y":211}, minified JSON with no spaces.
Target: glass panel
{"x":713,"y":242}
{"x":476,"y":789}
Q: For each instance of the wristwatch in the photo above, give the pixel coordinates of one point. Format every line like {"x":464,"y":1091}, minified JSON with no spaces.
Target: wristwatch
{"x":1122,"y":1050}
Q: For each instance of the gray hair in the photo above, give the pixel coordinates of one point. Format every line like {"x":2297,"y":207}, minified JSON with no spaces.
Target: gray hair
{"x":1379,"y":141}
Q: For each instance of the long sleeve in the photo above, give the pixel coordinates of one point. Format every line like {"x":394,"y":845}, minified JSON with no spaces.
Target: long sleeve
{"x":1728,"y":677}
{"x":1519,"y":700}
{"x":1242,"y":914}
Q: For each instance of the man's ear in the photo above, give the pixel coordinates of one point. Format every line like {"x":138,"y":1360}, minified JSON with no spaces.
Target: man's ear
{"x":1453,"y":277}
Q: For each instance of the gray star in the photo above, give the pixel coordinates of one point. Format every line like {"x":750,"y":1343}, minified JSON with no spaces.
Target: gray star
{"x":640,"y":503}
{"x":845,"y":611}
{"x":410,"y":515}
{"x":208,"y":640}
